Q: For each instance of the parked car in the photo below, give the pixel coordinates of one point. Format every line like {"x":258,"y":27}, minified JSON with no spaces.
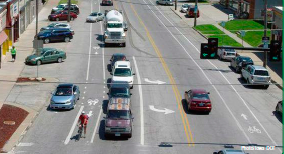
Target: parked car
{"x":279,"y":108}
{"x":256,"y":75}
{"x":190,"y":11}
{"x":119,"y":89}
{"x":73,"y":8}
{"x":46,"y":55}
{"x":198,"y":100}
{"x":122,"y":71}
{"x":57,"y":34}
{"x":61,"y":7}
{"x":240,"y":62}
{"x":61,"y":15}
{"x":226,"y":54}
{"x":65,"y":96}
{"x":56,"y":25}
{"x":165,"y":2}
{"x":229,"y":151}
{"x":117,"y":57}
{"x":107,"y":2}
{"x":184,"y":8}
{"x":95,"y":17}
{"x":118,"y":120}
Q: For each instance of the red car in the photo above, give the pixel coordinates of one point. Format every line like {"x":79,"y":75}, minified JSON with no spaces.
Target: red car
{"x":61,"y":15}
{"x":198,"y":100}
{"x":190,"y":11}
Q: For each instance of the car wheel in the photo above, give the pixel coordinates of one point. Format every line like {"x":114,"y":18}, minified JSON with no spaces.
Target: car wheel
{"x":130,"y":135}
{"x":59,"y":60}
{"x":124,"y":44}
{"x":131,"y":87}
{"x":46,"y":41}
{"x":57,"y":19}
{"x":38,"y":62}
{"x":242,"y":76}
{"x":67,"y":39}
{"x":266,"y":86}
{"x":71,"y":18}
{"x":106,"y":136}
{"x":277,"y":108}
{"x":238,"y":69}
{"x":248,"y":82}
{"x":167,"y":4}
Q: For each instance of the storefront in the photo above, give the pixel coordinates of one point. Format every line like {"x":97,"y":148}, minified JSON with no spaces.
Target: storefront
{"x":22,"y":7}
{"x":4,"y":43}
{"x":15,"y":20}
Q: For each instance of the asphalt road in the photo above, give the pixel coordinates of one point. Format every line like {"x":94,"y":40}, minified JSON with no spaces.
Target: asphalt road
{"x":160,"y":47}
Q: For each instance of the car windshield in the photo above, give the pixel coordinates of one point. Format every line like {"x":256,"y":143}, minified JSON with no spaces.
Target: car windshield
{"x":120,"y":57}
{"x":118,"y":114}
{"x":230,"y":50}
{"x":261,"y":72}
{"x":52,"y":25}
{"x":114,"y":25}
{"x":247,"y":59}
{"x":94,"y":14}
{"x":122,"y":72}
{"x":200,"y":96}
{"x":57,"y":12}
{"x":63,"y":92}
{"x":119,"y":92}
{"x":60,"y":6}
{"x":185,"y":5}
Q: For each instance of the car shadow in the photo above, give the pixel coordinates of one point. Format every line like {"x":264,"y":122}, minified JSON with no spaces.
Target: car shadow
{"x":184,"y":105}
{"x":28,"y":64}
{"x":76,"y":136}
{"x":108,"y":82}
{"x":104,"y":106}
{"x":244,"y":83}
{"x":109,"y":67}
{"x":277,"y":115}
{"x":232,"y":69}
{"x":221,"y":70}
{"x":56,"y":110}
{"x":100,"y":37}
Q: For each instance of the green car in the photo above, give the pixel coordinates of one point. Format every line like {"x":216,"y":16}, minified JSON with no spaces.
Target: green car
{"x":47,"y":55}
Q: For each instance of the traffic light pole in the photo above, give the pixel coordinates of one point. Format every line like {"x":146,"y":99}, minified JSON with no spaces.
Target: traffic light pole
{"x":265,"y":30}
{"x":195,"y":14}
{"x":69,"y":4}
{"x":176,"y":5}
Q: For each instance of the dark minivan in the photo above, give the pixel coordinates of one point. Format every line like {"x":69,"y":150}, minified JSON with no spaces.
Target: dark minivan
{"x":57,"y":34}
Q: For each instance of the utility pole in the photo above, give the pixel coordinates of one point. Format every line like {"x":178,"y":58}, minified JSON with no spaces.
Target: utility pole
{"x":195,"y":12}
{"x":69,"y":5}
{"x":176,"y":4}
{"x":35,"y":39}
{"x":265,"y":27}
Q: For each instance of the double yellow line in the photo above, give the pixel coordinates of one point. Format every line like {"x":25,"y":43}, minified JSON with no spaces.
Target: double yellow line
{"x":172,"y":81}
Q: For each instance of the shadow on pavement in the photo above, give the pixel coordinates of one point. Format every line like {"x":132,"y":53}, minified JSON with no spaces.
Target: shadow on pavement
{"x":223,"y":9}
{"x":104,"y":106}
{"x":277,"y":115}
{"x":184,"y":105}
{"x":56,"y":110}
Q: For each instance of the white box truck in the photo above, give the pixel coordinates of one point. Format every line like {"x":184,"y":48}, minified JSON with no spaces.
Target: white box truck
{"x":114,"y":28}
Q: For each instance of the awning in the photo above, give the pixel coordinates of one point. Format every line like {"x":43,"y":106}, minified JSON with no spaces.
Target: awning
{"x":3,"y":37}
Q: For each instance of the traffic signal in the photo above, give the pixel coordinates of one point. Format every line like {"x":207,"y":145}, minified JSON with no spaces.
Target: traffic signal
{"x":204,"y":54}
{"x":213,"y":47}
{"x":275,"y":50}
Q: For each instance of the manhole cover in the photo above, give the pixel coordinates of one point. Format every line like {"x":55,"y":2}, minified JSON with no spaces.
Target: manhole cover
{"x":9,"y":122}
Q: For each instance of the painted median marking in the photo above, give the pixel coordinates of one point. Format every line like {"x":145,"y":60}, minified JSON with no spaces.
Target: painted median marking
{"x":165,"y":110}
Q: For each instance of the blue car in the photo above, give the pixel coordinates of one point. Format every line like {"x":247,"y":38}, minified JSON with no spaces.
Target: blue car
{"x":65,"y":96}
{"x":56,"y":34}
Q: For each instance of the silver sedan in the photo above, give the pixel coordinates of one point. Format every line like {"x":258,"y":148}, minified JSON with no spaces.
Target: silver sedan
{"x":95,"y":17}
{"x":65,"y":97}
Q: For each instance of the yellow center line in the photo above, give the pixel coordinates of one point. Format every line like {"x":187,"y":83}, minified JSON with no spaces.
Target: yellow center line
{"x":172,"y":81}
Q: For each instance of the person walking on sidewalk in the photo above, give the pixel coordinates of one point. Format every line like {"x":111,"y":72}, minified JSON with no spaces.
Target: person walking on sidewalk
{"x":13,"y":53}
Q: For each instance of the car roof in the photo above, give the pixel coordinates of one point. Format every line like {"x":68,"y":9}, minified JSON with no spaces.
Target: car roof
{"x":257,"y":67}
{"x":118,"y":106}
{"x":233,"y":152}
{"x":119,"y":84}
{"x":118,"y":54}
{"x":119,"y":100}
{"x":66,"y":29}
{"x":65,"y":85}
{"x":125,"y":64}
{"x":198,"y":91}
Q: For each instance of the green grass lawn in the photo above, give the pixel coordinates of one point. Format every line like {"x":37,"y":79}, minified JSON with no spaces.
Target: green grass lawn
{"x":236,"y":25}
{"x":208,"y":29}
{"x":225,"y":40}
{"x":254,"y":38}
{"x":66,"y":2}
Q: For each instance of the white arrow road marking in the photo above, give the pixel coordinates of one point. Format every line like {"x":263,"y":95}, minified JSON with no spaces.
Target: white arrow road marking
{"x":73,"y":126}
{"x":166,"y":111}
{"x":155,"y":82}
{"x":90,"y":113}
{"x":244,"y":116}
{"x":96,"y":47}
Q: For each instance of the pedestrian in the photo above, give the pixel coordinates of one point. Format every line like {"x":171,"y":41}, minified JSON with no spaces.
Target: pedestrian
{"x":13,"y":53}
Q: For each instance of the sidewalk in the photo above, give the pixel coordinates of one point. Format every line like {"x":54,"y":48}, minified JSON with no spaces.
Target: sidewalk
{"x":10,"y":71}
{"x":214,"y":14}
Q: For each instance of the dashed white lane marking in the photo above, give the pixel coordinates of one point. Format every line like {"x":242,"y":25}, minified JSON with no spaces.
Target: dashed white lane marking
{"x":83,"y":98}
{"x":84,"y":92}
{"x":103,"y":96}
{"x":96,"y":127}
{"x":73,"y":126}
{"x":85,"y":87}
{"x":104,"y":91}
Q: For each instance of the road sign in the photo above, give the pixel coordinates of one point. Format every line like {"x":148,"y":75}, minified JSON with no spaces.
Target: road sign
{"x":243,"y":33}
{"x":265,"y":41}
{"x":223,"y":23}
{"x":231,"y":17}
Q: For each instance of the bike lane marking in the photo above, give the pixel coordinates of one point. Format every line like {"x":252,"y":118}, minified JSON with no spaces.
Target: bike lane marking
{"x":73,"y":126}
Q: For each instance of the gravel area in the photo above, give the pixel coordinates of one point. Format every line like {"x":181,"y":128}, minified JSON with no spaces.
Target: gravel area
{"x":10,"y":119}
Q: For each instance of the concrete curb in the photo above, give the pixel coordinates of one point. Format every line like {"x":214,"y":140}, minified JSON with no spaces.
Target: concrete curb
{"x":200,"y":33}
{"x":176,"y":13}
{"x":22,"y":129}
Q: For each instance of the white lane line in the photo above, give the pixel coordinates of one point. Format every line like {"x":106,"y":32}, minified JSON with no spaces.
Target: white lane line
{"x":219,"y":72}
{"x":237,"y":122}
{"x":73,"y":126}
{"x":141,"y":102}
{"x":96,"y":127}
{"x":90,"y":48}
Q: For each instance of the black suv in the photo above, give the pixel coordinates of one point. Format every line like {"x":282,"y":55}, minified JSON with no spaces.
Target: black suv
{"x":56,"y":34}
{"x":73,"y":8}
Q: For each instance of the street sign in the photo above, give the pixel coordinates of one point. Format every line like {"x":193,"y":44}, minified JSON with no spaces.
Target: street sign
{"x":195,"y":9}
{"x":243,"y":33}
{"x":231,"y":17}
{"x":265,"y":41}
{"x":223,"y":23}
